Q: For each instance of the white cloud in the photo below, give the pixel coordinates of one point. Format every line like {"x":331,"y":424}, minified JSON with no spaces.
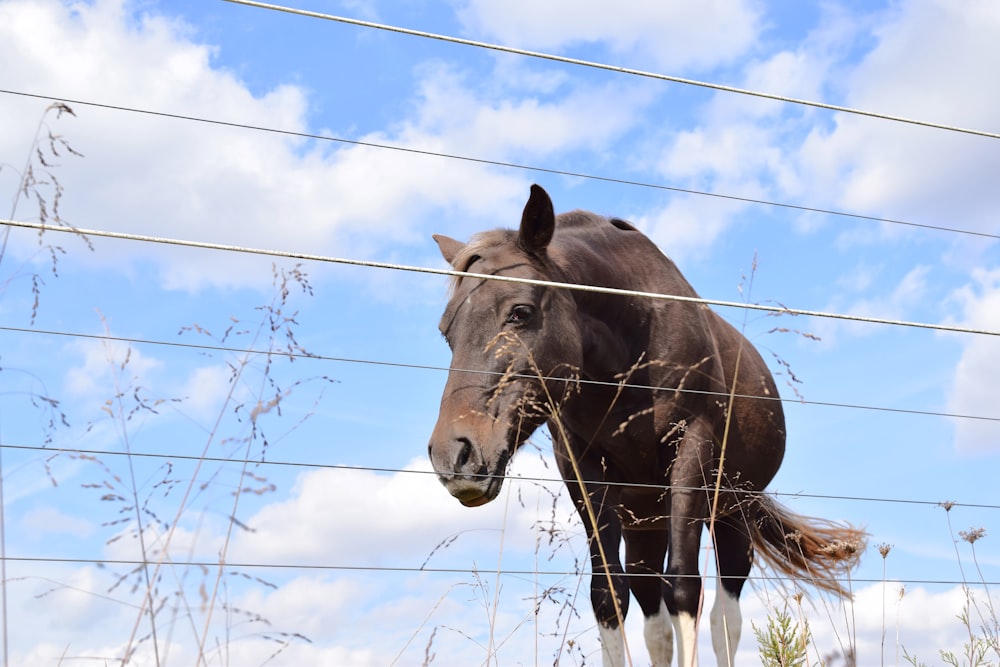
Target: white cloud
{"x":162,"y":544}
{"x":973,"y":390}
{"x":66,"y":605}
{"x":40,"y":523}
{"x":909,"y":293}
{"x":182,"y":179}
{"x":172,"y":178}
{"x":882,"y":621}
{"x":350,"y":529}
{"x":514,"y":118}
{"x":368,"y":619}
{"x":688,"y":225}
{"x":349,"y":616}
{"x":310,"y":604}
{"x":333,"y":515}
{"x":108,"y":366}
{"x":697,"y":153}
{"x":923,"y":46}
{"x":742,"y":146}
{"x":929,"y":63}
{"x":672,"y":35}
{"x":205,"y":391}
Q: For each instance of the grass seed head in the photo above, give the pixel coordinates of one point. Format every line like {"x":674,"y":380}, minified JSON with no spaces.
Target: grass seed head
{"x":972,"y":534}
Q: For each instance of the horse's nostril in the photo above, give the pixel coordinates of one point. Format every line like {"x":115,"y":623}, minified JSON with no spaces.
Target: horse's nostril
{"x":464,"y":454}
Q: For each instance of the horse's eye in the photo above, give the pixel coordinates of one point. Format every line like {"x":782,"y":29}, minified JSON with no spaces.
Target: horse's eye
{"x":520,"y":314}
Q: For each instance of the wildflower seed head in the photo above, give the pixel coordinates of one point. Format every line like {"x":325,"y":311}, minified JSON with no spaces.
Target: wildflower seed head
{"x":972,"y":534}
{"x":842,"y":549}
{"x":884,"y":549}
{"x":947,"y":505}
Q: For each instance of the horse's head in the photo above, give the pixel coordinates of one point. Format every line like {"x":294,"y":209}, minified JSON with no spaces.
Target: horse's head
{"x":515,"y":349}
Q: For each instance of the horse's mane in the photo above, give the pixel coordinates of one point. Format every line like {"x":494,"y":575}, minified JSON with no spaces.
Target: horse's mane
{"x":582,"y":223}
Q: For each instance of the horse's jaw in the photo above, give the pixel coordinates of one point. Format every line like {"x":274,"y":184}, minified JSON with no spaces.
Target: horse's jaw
{"x":475,"y":502}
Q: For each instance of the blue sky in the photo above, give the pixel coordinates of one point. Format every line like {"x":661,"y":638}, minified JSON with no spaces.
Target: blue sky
{"x":154,"y":175}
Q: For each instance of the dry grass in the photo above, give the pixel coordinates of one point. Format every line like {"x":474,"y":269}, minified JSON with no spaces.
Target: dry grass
{"x":977,"y":616}
{"x":148,"y":507}
{"x":153,"y":511}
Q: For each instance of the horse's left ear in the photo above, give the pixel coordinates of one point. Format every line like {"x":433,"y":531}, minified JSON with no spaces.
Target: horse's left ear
{"x":538,"y":222}
{"x":449,"y":247}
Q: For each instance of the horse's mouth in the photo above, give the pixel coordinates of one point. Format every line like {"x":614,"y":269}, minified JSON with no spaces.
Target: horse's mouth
{"x":475,"y":502}
{"x":481,"y":488}
{"x":474,"y":495}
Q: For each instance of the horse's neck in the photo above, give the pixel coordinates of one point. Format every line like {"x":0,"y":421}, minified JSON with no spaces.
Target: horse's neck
{"x":622,"y":260}
{"x":619,"y":331}
{"x":630,"y":263}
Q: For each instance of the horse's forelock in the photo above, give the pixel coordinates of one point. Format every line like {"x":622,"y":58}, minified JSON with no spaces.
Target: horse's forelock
{"x":479,"y":245}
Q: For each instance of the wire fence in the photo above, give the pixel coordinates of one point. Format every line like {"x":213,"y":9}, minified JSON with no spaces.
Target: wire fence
{"x":510,"y":165}
{"x":49,"y":450}
{"x":596,"y":289}
{"x":310,"y":257}
{"x":581,"y":381}
{"x":612,"y":68}
{"x":237,"y":567}
{"x":37,"y":449}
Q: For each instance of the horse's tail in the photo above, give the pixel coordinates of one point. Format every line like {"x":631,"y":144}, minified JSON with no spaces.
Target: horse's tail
{"x":818,"y":551}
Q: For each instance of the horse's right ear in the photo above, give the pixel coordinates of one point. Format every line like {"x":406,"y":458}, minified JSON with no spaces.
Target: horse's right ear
{"x":538,"y":222}
{"x":449,"y":247}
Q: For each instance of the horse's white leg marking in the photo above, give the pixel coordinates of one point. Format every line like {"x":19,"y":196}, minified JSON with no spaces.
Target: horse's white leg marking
{"x":727,"y":623}
{"x":612,"y":646}
{"x":687,"y":639}
{"x":658,"y":632}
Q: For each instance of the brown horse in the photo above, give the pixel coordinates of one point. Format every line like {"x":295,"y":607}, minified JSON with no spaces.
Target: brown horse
{"x":664,"y":420}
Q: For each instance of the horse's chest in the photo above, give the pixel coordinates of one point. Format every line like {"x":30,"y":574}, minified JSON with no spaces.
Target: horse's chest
{"x":623,"y":443}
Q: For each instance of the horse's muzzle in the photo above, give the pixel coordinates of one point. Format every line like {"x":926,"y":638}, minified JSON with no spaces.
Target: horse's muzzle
{"x":465,"y":472}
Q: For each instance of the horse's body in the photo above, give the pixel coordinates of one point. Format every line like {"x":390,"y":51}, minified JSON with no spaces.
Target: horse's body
{"x":636,"y":391}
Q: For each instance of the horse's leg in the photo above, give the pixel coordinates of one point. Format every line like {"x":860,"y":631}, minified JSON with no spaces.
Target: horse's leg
{"x":604,"y":563}
{"x":683,"y":575}
{"x":734,"y":556}
{"x":644,"y":554}
{"x":689,"y":510}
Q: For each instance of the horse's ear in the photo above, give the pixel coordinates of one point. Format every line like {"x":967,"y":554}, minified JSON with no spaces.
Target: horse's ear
{"x":449,"y":247}
{"x":538,"y":222}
